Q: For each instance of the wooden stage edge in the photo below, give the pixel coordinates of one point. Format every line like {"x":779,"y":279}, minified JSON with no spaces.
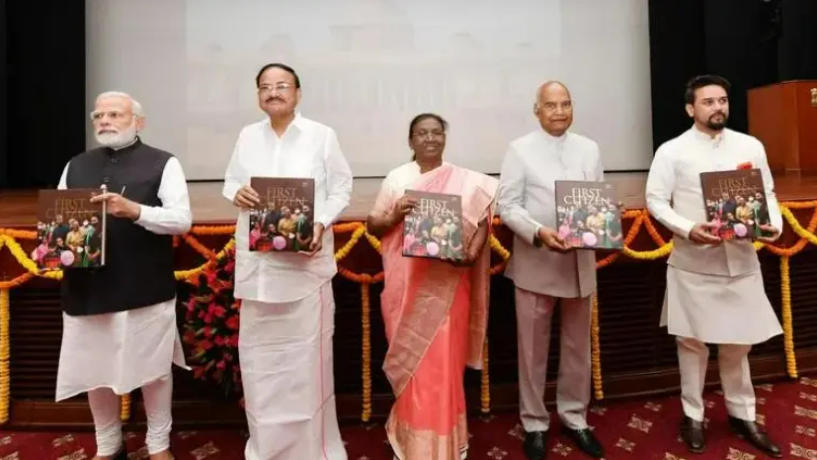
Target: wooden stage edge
{"x":75,"y":415}
{"x":18,"y":207}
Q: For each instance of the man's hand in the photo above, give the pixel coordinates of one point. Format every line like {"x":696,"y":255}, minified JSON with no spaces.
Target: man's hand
{"x":551,"y":238}
{"x":119,"y":206}
{"x":402,"y":207}
{"x":770,"y":235}
{"x":246,"y":198}
{"x":317,"y":240}
{"x":701,"y":233}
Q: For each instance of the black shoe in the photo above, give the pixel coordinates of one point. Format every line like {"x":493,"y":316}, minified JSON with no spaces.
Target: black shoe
{"x":585,"y":441}
{"x":751,"y":432}
{"x":534,"y":445}
{"x":121,"y":454}
{"x":692,"y":432}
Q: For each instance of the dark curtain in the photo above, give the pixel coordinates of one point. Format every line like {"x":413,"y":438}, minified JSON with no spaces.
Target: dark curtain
{"x":42,"y":90}
{"x":750,"y":42}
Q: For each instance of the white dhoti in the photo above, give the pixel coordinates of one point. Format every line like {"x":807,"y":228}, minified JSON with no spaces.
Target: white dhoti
{"x":113,"y":354}
{"x":285,"y":350}
{"x":732,"y":311}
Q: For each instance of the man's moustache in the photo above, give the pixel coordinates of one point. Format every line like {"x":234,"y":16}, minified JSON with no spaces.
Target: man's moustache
{"x":275,"y":99}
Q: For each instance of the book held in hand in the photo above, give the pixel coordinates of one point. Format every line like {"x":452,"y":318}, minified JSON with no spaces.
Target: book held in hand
{"x":735,"y":201}
{"x":70,"y":229}
{"x":433,"y":228}
{"x":588,"y":215}
{"x":282,"y":221}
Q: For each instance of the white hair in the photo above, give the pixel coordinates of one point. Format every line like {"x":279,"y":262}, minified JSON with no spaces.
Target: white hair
{"x":136,"y":107}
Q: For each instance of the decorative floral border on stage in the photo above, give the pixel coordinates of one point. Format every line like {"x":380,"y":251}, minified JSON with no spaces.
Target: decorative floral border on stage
{"x":641,"y":219}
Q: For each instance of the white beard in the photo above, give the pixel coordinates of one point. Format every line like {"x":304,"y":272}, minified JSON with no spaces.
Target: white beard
{"x":117,"y":140}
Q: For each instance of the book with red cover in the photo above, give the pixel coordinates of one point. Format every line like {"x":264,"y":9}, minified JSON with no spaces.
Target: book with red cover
{"x":433,"y":228}
{"x":735,"y":201}
{"x":588,"y":215}
{"x":70,"y":229}
{"x":282,"y":221}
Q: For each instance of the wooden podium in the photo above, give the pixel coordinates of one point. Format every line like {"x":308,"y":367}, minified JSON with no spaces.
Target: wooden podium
{"x":784,"y":117}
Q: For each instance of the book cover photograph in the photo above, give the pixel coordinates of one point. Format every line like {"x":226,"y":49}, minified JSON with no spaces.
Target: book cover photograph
{"x":70,"y":230}
{"x":735,"y":201}
{"x":282,"y":221}
{"x":433,"y":228}
{"x":588,"y":215}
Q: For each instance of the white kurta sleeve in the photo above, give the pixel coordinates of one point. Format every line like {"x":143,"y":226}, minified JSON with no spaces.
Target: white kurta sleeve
{"x":64,"y":178}
{"x":511,"y":198}
{"x":173,"y":217}
{"x":236,"y":175}
{"x":338,"y":182}
{"x":660,"y":184}
{"x":775,"y":218}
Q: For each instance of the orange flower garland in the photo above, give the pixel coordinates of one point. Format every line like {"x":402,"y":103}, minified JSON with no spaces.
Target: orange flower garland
{"x":595,"y":347}
{"x":9,"y":237}
{"x":788,"y":333}
{"x":5,"y":377}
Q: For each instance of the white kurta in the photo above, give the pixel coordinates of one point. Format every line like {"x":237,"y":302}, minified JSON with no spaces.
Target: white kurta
{"x":307,"y":149}
{"x":287,"y":318}
{"x":714,"y":292}
{"x":128,"y":349}
{"x":527,"y":201}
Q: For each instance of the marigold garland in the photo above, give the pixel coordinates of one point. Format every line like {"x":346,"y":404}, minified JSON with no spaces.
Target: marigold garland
{"x":212,"y":229}
{"x":785,"y":301}
{"x":341,"y":253}
{"x":595,"y":347}
{"x":640,"y":218}
{"x":124,"y":407}
{"x":203,"y":250}
{"x":485,"y":381}
{"x":366,"y":352}
{"x":5,"y":377}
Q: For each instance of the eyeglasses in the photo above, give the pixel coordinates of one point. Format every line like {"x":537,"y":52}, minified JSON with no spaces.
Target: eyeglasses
{"x":421,"y":133}
{"x":113,"y":115}
{"x":279,"y":87}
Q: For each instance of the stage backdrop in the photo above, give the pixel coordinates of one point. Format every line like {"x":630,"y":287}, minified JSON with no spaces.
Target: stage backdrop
{"x":368,"y":66}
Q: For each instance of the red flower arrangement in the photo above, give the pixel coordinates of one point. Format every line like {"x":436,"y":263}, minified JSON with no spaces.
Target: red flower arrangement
{"x":211,"y":326}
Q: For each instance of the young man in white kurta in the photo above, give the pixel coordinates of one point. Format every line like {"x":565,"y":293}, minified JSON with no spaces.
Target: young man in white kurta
{"x":112,"y":354}
{"x":287,"y":310}
{"x":714,"y":291}
{"x":544,"y":275}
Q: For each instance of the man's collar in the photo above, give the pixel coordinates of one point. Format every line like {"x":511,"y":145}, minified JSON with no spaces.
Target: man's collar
{"x":297,"y":122}
{"x":705,"y":137}
{"x":551,"y":139}
{"x":136,"y":142}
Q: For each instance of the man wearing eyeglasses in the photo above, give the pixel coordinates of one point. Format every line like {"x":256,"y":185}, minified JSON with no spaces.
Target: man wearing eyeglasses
{"x":546,"y":272}
{"x":119,"y":321}
{"x":287,"y":310}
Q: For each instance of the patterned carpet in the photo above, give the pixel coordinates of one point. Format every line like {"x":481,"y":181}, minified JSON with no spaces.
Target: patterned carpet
{"x":629,"y":430}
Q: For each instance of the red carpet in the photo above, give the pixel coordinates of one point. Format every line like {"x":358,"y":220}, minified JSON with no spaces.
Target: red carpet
{"x":631,"y":430}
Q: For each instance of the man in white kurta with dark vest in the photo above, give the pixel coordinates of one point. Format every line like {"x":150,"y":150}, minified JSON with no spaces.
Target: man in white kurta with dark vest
{"x":714,"y":288}
{"x":119,"y":321}
{"x":287,"y":309}
{"x":547,"y":273}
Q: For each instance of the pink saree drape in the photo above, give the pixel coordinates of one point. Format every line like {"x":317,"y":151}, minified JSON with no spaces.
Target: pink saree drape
{"x":435,"y":316}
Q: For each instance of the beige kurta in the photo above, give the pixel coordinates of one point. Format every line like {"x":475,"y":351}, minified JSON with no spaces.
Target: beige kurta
{"x":714,"y":292}
{"x":527,"y":201}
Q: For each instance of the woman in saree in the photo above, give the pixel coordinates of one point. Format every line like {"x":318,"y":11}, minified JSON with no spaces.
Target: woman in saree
{"x":435,"y":312}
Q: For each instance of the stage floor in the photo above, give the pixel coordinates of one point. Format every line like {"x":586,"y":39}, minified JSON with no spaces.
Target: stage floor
{"x":18,"y":207}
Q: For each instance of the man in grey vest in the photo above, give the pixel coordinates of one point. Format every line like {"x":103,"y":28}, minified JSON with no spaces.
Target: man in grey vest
{"x":119,"y":321}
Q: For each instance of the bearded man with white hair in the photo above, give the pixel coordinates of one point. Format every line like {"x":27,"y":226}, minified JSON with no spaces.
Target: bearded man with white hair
{"x":119,"y":321}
